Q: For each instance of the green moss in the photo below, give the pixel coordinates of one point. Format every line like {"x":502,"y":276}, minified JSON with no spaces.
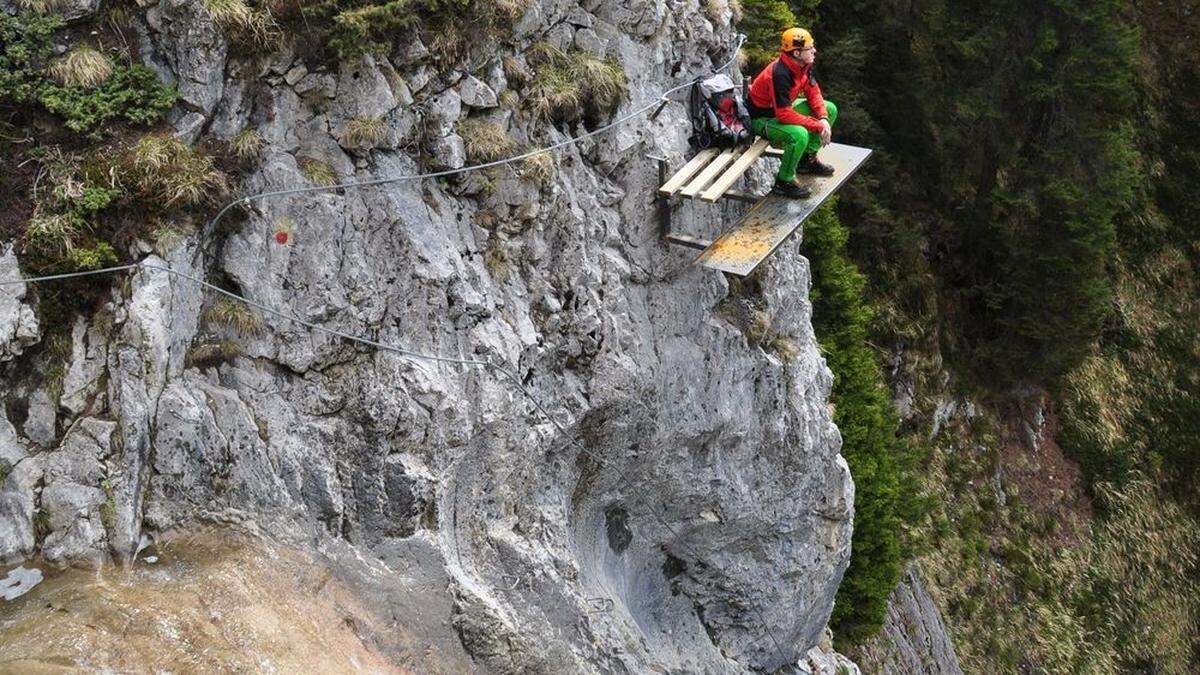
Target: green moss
{"x":93,"y":258}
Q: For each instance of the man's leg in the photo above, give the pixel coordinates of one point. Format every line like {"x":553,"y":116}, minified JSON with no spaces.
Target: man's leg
{"x":808,"y":162}
{"x":790,"y":138}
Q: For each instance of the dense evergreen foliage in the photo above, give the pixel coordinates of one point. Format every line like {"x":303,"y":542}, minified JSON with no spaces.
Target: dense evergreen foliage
{"x":881,"y":466}
{"x":1010,"y":131}
{"x":1029,"y":214}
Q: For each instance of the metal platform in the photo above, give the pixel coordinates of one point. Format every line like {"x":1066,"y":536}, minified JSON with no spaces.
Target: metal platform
{"x":769,"y":222}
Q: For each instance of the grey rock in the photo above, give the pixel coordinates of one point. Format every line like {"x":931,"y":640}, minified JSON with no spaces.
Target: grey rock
{"x":323,"y":83}
{"x":561,"y":36}
{"x":81,"y":384}
{"x":442,"y":113}
{"x":410,"y":51}
{"x":41,"y":422}
{"x":18,"y":324}
{"x":363,"y":91}
{"x":193,"y":48}
{"x":684,"y":497}
{"x":448,"y":152}
{"x":75,"y":9}
{"x":914,"y":639}
{"x":295,"y":74}
{"x":580,"y":17}
{"x":400,"y":88}
{"x":189,"y":127}
{"x":74,"y":496}
{"x":418,"y":78}
{"x":587,"y":40}
{"x":476,"y":93}
{"x":21,"y":474}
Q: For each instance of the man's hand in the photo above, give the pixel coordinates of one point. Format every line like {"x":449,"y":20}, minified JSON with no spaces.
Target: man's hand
{"x":826,"y":132}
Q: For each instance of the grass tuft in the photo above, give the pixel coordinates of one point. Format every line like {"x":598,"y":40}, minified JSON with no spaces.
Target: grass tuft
{"x":485,"y":141}
{"x":41,"y":524}
{"x":234,"y":315}
{"x":364,"y":133}
{"x":568,"y":85}
{"x":40,"y":6}
{"x":51,"y":235}
{"x":175,"y":174}
{"x":539,"y":168}
{"x":248,"y":24}
{"x":317,"y":172}
{"x":247,"y":144}
{"x":213,"y":353}
{"x":83,"y":66}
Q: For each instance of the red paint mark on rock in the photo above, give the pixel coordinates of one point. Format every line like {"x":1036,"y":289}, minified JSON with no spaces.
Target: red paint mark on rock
{"x":281,"y":237}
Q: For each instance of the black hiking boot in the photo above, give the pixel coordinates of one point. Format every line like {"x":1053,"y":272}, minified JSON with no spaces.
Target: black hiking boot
{"x":790,"y":189}
{"x":814,"y":166}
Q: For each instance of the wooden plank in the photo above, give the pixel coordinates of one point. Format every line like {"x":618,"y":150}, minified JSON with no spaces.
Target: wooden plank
{"x":682,"y":175}
{"x":710,"y":172}
{"x":727,"y":179}
{"x":771,"y":221}
{"x":774,"y":152}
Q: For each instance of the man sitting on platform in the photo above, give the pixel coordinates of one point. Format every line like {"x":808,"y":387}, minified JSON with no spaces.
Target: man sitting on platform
{"x":798,"y":126}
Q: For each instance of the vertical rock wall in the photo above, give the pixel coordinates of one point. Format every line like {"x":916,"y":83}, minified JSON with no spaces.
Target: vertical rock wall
{"x":695,"y":514}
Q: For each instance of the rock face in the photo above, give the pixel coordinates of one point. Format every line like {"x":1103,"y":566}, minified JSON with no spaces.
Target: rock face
{"x":914,"y":640}
{"x":674,"y":500}
{"x":18,"y":325}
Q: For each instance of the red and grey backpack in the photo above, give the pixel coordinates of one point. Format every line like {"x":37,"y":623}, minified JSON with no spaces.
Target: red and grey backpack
{"x":719,"y":115}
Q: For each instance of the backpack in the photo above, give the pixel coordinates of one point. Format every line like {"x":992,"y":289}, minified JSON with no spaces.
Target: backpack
{"x":719,"y":115}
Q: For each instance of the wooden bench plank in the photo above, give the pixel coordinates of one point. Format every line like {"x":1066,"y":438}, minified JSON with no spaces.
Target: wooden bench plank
{"x":688,"y":170}
{"x":734,"y":172}
{"x":771,"y":221}
{"x":710,"y":172}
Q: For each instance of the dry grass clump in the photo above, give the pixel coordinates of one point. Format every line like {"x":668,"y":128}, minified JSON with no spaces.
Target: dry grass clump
{"x":247,"y":144}
{"x":509,"y":99}
{"x":83,"y":66}
{"x":212,"y":353}
{"x":539,"y":168}
{"x":40,"y":6}
{"x":363,"y":133}
{"x":234,"y":315}
{"x":507,"y":11}
{"x":52,"y":234}
{"x":515,"y":72}
{"x":485,"y":141}
{"x":248,"y":23}
{"x":497,"y":260}
{"x":317,"y":172}
{"x":567,"y":86}
{"x":168,"y":170}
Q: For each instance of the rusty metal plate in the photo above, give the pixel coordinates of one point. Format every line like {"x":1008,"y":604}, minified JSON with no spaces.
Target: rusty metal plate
{"x":773,"y":219}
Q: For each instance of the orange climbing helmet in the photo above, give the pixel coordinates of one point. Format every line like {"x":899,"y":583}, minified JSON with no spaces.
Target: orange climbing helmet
{"x":795,"y":38}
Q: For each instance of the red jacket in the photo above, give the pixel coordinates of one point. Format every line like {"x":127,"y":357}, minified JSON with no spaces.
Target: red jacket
{"x":780,"y":83}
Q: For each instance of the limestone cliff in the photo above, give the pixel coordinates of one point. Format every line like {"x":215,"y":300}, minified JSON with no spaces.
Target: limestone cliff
{"x":695,"y":516}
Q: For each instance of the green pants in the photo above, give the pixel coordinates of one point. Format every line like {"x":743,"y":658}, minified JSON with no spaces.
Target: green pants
{"x":793,"y":139}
